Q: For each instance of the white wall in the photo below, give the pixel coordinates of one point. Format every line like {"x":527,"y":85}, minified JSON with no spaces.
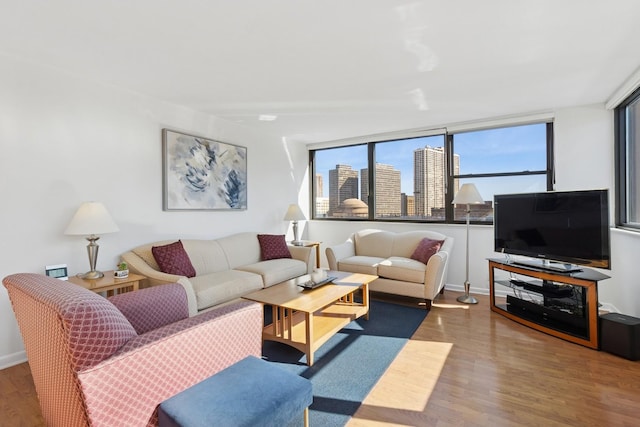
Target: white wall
{"x":65,"y":140}
{"x":584,"y":160}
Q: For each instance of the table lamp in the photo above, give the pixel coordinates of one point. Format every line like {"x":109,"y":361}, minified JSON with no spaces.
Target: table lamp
{"x":91,"y":219}
{"x":294,"y":213}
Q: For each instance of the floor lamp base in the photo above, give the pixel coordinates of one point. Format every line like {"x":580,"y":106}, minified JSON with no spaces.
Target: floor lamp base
{"x":467,"y":299}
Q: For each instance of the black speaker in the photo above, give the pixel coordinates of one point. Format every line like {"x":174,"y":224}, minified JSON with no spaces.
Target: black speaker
{"x":620,"y":335}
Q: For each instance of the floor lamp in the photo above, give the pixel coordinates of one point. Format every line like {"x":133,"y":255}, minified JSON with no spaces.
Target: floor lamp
{"x":467,"y":195}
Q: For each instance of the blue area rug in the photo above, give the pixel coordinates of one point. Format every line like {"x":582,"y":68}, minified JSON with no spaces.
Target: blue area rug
{"x":348,"y":365}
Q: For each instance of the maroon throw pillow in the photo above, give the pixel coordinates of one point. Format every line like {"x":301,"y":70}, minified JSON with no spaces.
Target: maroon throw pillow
{"x":273,"y":246}
{"x":425,"y":249}
{"x":173,"y":259}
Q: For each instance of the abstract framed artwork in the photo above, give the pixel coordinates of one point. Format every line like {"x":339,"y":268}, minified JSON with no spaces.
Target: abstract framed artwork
{"x":202,"y":174}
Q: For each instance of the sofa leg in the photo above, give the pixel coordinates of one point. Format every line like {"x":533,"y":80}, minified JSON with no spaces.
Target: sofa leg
{"x":442,"y":291}
{"x":427,"y":304}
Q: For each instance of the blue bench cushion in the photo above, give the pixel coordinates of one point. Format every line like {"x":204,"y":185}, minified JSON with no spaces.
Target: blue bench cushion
{"x":249,"y":393}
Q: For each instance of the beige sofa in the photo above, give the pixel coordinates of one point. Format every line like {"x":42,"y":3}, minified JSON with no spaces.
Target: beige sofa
{"x":388,"y":255}
{"x":226,"y":268}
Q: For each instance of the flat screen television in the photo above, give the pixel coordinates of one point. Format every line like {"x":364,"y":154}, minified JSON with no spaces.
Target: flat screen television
{"x":557,"y":230}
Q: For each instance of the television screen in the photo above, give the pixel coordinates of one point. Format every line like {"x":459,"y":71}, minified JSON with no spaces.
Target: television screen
{"x":570,"y":227}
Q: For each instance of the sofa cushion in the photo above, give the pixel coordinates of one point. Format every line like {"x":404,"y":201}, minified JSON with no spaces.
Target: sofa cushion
{"x":273,"y":246}
{"x":426,"y":249}
{"x":360,"y":264}
{"x":151,"y":308}
{"x":374,"y":243}
{"x":241,"y":248}
{"x":401,"y":268}
{"x":222,"y":286}
{"x":276,"y":270}
{"x":173,"y":259}
{"x":206,"y":256}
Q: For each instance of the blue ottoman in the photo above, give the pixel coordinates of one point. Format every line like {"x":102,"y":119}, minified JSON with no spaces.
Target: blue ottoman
{"x":251,"y":392}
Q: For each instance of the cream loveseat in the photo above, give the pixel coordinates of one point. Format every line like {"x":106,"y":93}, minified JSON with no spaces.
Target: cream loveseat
{"x":225,"y":268}
{"x":388,"y":255}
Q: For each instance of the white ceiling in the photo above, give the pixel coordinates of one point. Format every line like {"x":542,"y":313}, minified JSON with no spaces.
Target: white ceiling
{"x":333,"y":69}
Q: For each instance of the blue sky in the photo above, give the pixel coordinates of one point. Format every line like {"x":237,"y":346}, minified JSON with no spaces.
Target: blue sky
{"x":511,"y":149}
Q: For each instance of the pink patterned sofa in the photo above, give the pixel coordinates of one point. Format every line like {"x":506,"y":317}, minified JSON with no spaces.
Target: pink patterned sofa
{"x":111,"y":362}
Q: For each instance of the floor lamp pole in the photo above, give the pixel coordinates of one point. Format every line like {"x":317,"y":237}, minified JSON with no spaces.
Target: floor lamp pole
{"x":466,"y":298}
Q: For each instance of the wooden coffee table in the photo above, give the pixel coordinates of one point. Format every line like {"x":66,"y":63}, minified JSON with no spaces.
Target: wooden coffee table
{"x":306,"y":319}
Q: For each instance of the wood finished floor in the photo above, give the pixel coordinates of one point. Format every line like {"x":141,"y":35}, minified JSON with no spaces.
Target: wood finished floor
{"x":465,"y":366}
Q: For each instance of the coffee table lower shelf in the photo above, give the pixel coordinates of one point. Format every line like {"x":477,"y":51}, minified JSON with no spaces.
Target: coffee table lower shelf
{"x":306,"y":332}
{"x":306,"y":318}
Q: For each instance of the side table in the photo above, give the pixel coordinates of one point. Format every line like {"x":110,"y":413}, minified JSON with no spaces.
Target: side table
{"x":310,"y":243}
{"x":109,"y":283}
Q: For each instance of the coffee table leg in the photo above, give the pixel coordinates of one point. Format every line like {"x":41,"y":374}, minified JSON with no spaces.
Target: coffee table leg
{"x":365,"y":298}
{"x":308,"y":322}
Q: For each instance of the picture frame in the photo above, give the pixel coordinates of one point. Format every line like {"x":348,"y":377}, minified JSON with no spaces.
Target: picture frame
{"x":202,"y":174}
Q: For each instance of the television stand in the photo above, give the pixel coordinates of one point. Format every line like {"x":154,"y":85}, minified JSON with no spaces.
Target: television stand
{"x":562,"y":304}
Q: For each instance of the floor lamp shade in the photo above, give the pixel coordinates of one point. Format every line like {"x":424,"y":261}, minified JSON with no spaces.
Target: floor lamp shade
{"x":91,"y":219}
{"x":467,"y":195}
{"x":295,"y":214}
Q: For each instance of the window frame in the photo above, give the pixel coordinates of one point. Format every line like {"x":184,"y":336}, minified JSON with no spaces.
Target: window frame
{"x":622,"y":163}
{"x":450,"y":177}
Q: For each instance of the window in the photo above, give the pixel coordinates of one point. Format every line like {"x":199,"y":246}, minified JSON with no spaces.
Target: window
{"x":415,"y":179}
{"x":627,"y":140}
{"x":337,"y":182}
{"x":409,"y":179}
{"x":502,"y":161}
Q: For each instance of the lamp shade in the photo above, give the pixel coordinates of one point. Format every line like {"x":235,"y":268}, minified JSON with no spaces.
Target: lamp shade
{"x":294,"y":213}
{"x":91,"y":218}
{"x":467,"y":195}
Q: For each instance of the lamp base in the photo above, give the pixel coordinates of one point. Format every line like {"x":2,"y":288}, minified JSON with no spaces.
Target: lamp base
{"x":91,"y":275}
{"x":297,"y":243}
{"x":467,"y":299}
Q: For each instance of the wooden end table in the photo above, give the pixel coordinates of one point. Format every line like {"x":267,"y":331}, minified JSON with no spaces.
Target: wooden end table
{"x":306,"y":318}
{"x":109,"y":283}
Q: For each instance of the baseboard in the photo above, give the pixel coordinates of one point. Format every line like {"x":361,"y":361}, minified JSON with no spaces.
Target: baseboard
{"x":12,"y":359}
{"x":472,"y":290}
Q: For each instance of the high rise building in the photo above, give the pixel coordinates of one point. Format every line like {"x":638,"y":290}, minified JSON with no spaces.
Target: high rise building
{"x":343,"y":184}
{"x":387,"y":180}
{"x":429,"y":179}
{"x":322,"y":207}
{"x":408,"y":205}
{"x":319,"y":186}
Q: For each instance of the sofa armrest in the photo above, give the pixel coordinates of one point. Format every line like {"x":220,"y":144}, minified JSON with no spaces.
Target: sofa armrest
{"x":161,"y":363}
{"x":154,"y":278}
{"x":306,"y":254}
{"x":151,"y":308}
{"x":338,"y":252}
{"x":434,"y":275}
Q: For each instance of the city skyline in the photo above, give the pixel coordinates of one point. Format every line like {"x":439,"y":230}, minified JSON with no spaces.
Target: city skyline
{"x":428,"y":197}
{"x":507,"y":149}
